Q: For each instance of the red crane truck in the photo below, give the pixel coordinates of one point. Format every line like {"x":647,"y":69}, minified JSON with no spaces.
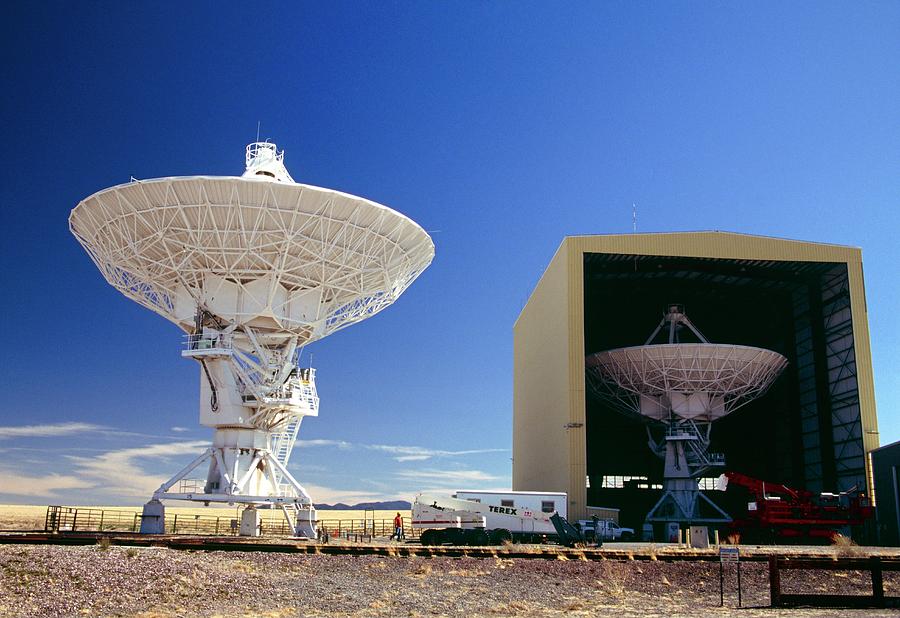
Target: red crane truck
{"x":777,"y":513}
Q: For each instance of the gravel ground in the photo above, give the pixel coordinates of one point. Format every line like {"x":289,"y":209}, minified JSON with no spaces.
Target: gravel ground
{"x":40,"y":580}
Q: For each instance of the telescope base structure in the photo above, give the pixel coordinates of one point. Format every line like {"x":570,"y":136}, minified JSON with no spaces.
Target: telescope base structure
{"x":686,"y":459}
{"x":303,"y":521}
{"x":241,"y":470}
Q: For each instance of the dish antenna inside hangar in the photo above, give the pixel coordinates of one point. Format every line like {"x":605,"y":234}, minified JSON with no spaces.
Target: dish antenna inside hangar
{"x":681,"y":388}
{"x":251,"y":268}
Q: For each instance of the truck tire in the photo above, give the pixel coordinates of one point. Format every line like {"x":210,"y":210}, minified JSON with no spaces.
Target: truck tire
{"x":477,"y":537}
{"x":626,"y":536}
{"x":430,"y":537}
{"x":454,"y":536}
{"x":501,"y":536}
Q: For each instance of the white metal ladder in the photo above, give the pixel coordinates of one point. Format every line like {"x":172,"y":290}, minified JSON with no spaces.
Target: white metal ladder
{"x":283,"y":442}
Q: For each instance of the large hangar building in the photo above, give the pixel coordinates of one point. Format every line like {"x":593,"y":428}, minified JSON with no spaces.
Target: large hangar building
{"x":813,"y":429}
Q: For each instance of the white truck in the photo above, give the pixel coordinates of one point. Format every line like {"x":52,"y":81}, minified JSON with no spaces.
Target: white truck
{"x":607,"y":528}
{"x":486,"y":517}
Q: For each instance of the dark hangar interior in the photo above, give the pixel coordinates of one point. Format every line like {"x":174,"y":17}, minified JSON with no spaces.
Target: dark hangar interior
{"x":804,"y":432}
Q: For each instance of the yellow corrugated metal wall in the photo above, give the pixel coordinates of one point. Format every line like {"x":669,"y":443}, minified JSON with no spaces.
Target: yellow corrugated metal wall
{"x":541,"y":383}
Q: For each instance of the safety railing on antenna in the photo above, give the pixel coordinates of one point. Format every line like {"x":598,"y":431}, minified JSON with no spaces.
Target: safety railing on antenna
{"x":255,"y":150}
{"x":288,"y":491}
{"x":682,"y":431}
{"x":191,"y":486}
{"x":200,"y":341}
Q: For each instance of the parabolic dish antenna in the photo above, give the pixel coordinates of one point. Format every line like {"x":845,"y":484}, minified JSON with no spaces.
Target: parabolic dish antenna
{"x":682,"y":387}
{"x":702,"y":381}
{"x":259,"y":250}
{"x":252,"y":268}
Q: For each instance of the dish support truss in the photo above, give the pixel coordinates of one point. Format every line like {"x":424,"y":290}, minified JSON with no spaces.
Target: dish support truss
{"x":683,"y":444}
{"x":254,"y":394}
{"x":682,"y":389}
{"x":279,"y":256}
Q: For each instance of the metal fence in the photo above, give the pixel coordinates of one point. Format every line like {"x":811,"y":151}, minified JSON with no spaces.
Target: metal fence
{"x":365,"y":527}
{"x":74,"y":519}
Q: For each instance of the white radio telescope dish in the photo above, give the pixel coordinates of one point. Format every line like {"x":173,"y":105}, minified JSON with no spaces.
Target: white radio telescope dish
{"x":252,"y":268}
{"x":257,"y":250}
{"x":682,"y":388}
{"x":702,"y":381}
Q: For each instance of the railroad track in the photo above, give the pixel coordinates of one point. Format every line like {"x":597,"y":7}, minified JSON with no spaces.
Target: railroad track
{"x":285,"y":545}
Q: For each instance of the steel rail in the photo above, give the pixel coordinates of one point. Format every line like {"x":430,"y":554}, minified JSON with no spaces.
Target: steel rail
{"x":286,"y":545}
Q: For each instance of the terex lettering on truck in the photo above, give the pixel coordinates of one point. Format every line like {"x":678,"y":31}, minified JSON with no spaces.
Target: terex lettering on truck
{"x":487,"y":517}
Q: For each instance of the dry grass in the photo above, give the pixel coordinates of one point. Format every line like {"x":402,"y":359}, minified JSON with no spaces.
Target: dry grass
{"x":845,"y":547}
{"x":420,"y":571}
{"x":467,"y":572}
{"x":613,"y":580}
{"x":32,"y":517}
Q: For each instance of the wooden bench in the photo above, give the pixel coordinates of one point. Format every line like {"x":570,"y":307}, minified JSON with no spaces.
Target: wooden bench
{"x":874,"y":565}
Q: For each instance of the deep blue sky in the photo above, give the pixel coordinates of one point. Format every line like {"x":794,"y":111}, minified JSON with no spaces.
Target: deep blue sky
{"x":500,"y":127}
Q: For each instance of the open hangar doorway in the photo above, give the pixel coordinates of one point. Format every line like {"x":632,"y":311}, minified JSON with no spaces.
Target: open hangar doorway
{"x":805,"y":432}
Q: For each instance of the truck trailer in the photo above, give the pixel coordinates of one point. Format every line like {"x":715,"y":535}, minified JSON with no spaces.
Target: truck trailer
{"x":487,"y":517}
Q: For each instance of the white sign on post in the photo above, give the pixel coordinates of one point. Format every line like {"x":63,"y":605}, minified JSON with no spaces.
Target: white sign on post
{"x":729,"y":554}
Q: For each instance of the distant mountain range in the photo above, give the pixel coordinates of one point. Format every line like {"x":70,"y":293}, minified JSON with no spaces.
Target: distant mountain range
{"x":390,"y":505}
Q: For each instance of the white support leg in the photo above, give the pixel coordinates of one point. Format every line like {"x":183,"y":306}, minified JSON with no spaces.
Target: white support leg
{"x":250,"y":522}
{"x":184,"y":472}
{"x":241,"y":485}
{"x":153,"y":518}
{"x":290,"y":478}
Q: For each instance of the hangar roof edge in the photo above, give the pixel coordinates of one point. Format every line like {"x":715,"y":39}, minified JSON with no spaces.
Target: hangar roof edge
{"x":713,"y":233}
{"x":884,"y":447}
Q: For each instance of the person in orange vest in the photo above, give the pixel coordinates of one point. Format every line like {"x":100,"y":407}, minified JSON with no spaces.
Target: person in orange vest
{"x":398,"y":527}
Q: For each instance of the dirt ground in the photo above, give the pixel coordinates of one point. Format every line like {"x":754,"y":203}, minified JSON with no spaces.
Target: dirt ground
{"x":155,"y":582}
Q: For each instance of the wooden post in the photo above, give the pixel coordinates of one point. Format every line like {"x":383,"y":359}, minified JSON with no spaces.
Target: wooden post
{"x":774,"y":582}
{"x":877,"y":582}
{"x":721,"y":583}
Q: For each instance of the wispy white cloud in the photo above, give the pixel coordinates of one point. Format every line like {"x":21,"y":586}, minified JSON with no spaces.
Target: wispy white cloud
{"x":57,"y":430}
{"x":47,"y":486}
{"x":312,"y":443}
{"x":179,"y":429}
{"x":134,"y":472}
{"x":448,"y":477}
{"x":444,"y":490}
{"x":398,"y":452}
{"x":50,"y":430}
{"x":120,"y":472}
{"x":420,"y":453}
